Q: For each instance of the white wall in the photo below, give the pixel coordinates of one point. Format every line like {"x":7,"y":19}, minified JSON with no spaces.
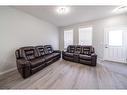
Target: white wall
{"x":98,"y":31}
{"x":18,"y":29}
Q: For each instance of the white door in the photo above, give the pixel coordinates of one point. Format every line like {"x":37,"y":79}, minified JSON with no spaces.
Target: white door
{"x":115,"y":48}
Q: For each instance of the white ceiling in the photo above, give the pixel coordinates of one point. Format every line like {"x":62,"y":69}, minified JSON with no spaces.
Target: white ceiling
{"x":77,"y":13}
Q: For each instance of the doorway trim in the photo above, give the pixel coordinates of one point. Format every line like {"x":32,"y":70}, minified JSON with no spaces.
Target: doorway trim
{"x":105,"y":35}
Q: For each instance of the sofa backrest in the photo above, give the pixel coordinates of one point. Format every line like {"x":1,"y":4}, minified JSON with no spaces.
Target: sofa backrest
{"x":40,"y":50}
{"x":71,"y":48}
{"x":78,"y":49}
{"x":87,"y":50}
{"x":48,"y":49}
{"x":28,"y":53}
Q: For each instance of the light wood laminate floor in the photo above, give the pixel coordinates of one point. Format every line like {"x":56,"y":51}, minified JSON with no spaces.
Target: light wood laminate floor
{"x":69,"y":75}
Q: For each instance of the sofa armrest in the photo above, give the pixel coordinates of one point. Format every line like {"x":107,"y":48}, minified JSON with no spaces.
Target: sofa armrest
{"x":23,"y":67}
{"x":57,"y":51}
{"x":94,"y":55}
{"x":93,"y":59}
{"x":63,"y":52}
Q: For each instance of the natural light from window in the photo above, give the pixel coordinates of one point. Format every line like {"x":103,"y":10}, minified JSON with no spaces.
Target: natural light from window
{"x":68,"y":38}
{"x":115,"y":38}
{"x":85,"y":36}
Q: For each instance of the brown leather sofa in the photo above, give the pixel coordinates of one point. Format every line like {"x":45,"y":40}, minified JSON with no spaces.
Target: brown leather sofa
{"x":80,"y":54}
{"x":32,"y":59}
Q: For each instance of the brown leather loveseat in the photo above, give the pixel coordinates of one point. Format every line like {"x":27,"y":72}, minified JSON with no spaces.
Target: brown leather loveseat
{"x":80,"y":54}
{"x":32,"y":59}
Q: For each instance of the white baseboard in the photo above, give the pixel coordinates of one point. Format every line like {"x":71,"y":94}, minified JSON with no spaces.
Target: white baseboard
{"x":100,"y":59}
{"x":12,"y":69}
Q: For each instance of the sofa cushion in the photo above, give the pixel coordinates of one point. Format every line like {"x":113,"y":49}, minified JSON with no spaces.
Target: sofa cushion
{"x":28,"y":53}
{"x":40,"y":50}
{"x":85,"y":57}
{"x":48,"y":49}
{"x":68,"y":54}
{"x":37,"y":61}
{"x":68,"y":58}
{"x":56,"y":54}
{"x":49,"y":57}
{"x":86,"y":50}
{"x":71,"y":48}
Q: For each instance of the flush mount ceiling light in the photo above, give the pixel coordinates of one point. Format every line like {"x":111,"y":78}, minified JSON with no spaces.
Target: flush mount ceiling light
{"x":120,"y":9}
{"x":63,"y":10}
